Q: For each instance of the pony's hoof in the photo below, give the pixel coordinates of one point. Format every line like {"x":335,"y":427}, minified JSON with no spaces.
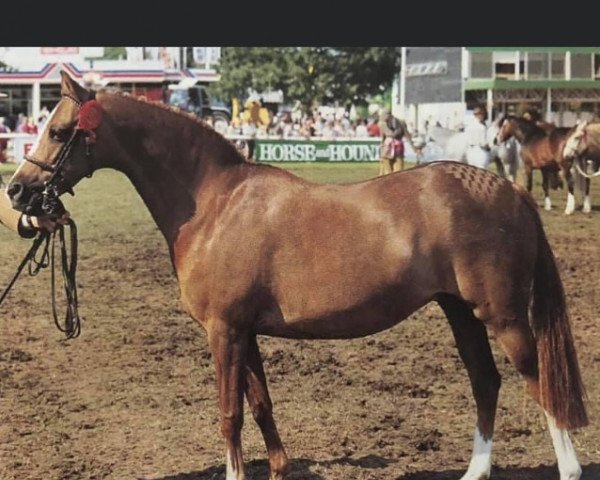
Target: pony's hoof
{"x":480,"y":476}
{"x":573,"y":475}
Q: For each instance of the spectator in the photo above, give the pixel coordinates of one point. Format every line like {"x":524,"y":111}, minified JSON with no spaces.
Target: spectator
{"x":30,"y":127}
{"x":3,"y":141}
{"x":44,"y":114}
{"x":21,"y":123}
{"x":393,"y":132}
{"x":373,"y":128}
{"x":361,"y":129}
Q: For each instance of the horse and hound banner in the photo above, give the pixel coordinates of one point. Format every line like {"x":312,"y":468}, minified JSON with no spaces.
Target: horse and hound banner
{"x":341,"y":150}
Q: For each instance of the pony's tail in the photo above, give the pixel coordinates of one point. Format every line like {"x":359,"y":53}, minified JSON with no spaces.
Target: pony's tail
{"x":562,"y":393}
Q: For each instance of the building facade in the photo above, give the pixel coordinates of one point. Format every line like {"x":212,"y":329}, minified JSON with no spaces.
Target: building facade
{"x":444,"y":84}
{"x":30,"y":77}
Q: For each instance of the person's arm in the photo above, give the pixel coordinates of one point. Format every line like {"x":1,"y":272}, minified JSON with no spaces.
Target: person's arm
{"x":385,"y":130}
{"x":9,"y":217}
{"x":404,"y":130}
{"x":27,"y":226}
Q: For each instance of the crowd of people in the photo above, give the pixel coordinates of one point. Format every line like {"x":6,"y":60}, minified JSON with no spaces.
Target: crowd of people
{"x":23,"y":124}
{"x":313,"y":124}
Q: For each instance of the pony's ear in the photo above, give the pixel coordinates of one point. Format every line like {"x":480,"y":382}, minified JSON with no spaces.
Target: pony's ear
{"x":70,"y":87}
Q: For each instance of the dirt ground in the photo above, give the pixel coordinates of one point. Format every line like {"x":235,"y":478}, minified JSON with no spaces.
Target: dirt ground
{"x":134,"y":397}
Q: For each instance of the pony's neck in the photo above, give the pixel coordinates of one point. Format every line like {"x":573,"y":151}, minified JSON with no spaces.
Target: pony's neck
{"x":527,"y":130}
{"x":167,"y":156}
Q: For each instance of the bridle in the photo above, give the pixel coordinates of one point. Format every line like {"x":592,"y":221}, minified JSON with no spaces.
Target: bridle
{"x":90,"y":117}
{"x":583,"y":139}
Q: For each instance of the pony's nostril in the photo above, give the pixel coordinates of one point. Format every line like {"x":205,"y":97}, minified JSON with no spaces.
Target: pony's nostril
{"x":14,"y":190}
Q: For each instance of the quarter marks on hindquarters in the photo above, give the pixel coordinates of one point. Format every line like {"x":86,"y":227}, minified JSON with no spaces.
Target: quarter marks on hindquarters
{"x":481,"y":184}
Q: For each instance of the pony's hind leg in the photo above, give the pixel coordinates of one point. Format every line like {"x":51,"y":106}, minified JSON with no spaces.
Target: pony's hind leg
{"x":546,"y":187}
{"x":258,"y":398}
{"x":229,"y":350}
{"x":516,"y":339}
{"x":587,"y":201}
{"x":474,"y":349}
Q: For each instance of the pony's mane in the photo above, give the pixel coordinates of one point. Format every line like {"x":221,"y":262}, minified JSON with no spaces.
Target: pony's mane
{"x":205,"y":127}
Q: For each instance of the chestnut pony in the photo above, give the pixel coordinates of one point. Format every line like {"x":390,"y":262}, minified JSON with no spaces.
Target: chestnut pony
{"x":541,"y":148}
{"x":258,"y":251}
{"x":583,"y":148}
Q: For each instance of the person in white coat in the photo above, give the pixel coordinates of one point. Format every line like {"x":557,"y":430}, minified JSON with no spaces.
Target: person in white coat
{"x":477,"y":142}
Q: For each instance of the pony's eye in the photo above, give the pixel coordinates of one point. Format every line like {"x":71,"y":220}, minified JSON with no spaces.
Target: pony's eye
{"x":59,"y":134}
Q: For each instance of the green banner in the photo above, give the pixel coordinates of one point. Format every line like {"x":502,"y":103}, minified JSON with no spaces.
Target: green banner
{"x":346,"y":150}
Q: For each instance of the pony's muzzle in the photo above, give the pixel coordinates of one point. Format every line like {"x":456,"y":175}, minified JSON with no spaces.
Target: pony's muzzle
{"x":25,"y":199}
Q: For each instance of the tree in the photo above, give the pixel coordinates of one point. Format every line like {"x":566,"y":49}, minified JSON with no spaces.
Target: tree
{"x":313,"y":75}
{"x":114,"y":53}
{"x":258,"y":68}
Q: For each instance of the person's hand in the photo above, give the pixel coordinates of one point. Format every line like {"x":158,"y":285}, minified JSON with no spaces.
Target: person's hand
{"x":49,"y":223}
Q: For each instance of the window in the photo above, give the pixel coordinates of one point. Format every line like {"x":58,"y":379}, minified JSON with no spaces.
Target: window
{"x":505,"y":64}
{"x":481,"y":65}
{"x":505,"y":71}
{"x":18,"y":100}
{"x":557,"y":66}
{"x":537,"y":66}
{"x":581,"y":65}
{"x":597,"y":66}
{"x":49,"y":96}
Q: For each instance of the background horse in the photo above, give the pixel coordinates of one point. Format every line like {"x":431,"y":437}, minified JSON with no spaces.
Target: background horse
{"x":259,"y":251}
{"x":583,"y":149}
{"x":452,"y":145}
{"x":541,"y":148}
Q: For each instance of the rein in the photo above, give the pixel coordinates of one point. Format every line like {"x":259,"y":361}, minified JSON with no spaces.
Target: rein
{"x":584,"y":140}
{"x":71,"y":326}
{"x":582,"y":173}
{"x":90,"y":117}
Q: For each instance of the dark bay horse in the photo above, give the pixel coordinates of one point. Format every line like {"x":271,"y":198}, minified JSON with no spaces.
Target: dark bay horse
{"x":583,"y":148}
{"x":258,"y":251}
{"x":541,"y":148}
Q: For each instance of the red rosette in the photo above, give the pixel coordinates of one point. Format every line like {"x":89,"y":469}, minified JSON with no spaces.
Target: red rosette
{"x":90,"y":116}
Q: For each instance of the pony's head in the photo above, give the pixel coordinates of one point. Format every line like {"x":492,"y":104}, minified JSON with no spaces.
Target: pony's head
{"x":583,"y":149}
{"x":576,"y":142}
{"x":62,"y":154}
{"x":506,"y":129}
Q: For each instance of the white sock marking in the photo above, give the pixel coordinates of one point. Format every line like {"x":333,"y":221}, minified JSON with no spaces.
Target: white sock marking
{"x":547,"y":204}
{"x":587,"y":204}
{"x":232,"y":474}
{"x":481,"y":460}
{"x":568,"y":465}
{"x":570,"y":204}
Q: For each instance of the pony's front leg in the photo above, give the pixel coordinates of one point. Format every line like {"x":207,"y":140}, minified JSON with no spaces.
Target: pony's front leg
{"x":257,"y":394}
{"x":229,"y":347}
{"x":587,"y":201}
{"x":546,"y":187}
{"x":529,"y":177}
{"x":570,"y":208}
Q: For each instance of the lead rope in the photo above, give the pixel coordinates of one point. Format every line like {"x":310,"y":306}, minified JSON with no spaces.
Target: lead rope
{"x":72,"y":322}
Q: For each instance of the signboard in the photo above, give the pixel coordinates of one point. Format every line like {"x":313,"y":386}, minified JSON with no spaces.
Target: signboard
{"x":427,"y":68}
{"x":60,"y":50}
{"x":21,"y":145}
{"x":346,"y":150}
